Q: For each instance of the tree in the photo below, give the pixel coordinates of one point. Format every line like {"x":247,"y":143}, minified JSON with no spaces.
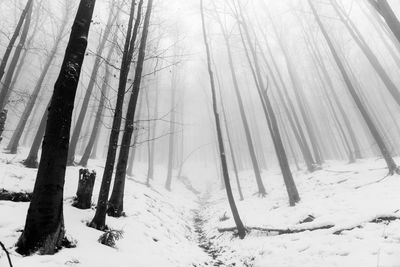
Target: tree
{"x":4,"y":94}
{"x":96,"y":66}
{"x":100,"y":109}
{"x":116,"y":203}
{"x":239,"y":225}
{"x":99,"y":220}
{"x":13,"y":145}
{"x":44,"y":228}
{"x":13,"y":39}
{"x":171,"y":143}
{"x":361,"y":106}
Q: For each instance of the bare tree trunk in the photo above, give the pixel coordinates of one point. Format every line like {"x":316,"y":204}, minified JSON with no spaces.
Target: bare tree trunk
{"x":374,"y":131}
{"x":134,"y":147}
{"x":4,"y":94}
{"x":13,"y":145}
{"x":32,"y":160}
{"x":99,"y":114}
{"x":152,"y":141}
{"x":99,"y":220}
{"x":235,"y":213}
{"x":250,"y":144}
{"x":13,"y":39}
{"x":116,"y":203}
{"x":44,"y":228}
{"x":93,"y":77}
{"x":171,"y":145}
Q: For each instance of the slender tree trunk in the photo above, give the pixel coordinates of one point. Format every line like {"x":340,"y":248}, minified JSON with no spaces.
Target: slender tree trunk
{"x":171,"y":145}
{"x":32,"y":160}
{"x":93,"y":77}
{"x":99,"y":114}
{"x":134,"y":146}
{"x":116,"y":203}
{"x":99,"y":220}
{"x":13,"y":145}
{"x":13,"y":39}
{"x":5,"y":90}
{"x":250,"y":144}
{"x":238,"y":222}
{"x":44,"y":228}
{"x":152,"y":142}
{"x":374,"y":131}
{"x":273,"y":126}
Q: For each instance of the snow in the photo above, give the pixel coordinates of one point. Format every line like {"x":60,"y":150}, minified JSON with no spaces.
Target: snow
{"x":159,"y":228}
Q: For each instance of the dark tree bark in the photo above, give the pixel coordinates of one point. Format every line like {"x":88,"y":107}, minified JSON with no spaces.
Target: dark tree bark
{"x":83,"y":199}
{"x":99,"y":114}
{"x":239,"y":225}
{"x":99,"y":220}
{"x":93,"y":77}
{"x":3,"y":118}
{"x":44,"y":228}
{"x":116,"y":203}
{"x":13,"y":39}
{"x":5,"y":90}
{"x":384,"y":9}
{"x":371,"y":125}
{"x":14,"y":142}
{"x":134,"y":148}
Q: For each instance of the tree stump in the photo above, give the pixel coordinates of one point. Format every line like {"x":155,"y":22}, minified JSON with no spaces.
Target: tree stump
{"x":3,"y":118}
{"x":83,"y":199}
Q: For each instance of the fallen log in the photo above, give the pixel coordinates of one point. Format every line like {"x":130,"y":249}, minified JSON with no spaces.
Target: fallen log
{"x":15,"y":196}
{"x":278,"y":231}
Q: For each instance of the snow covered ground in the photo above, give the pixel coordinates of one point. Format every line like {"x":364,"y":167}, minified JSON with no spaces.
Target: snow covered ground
{"x":160,"y":228}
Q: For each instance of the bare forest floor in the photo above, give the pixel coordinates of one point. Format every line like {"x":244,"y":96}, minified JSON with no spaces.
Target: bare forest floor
{"x":181,"y":229}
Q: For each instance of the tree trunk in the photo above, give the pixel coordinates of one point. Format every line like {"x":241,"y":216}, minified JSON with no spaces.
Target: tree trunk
{"x":99,"y":114}
{"x":44,"y":228}
{"x":152,"y":142}
{"x":99,"y":220}
{"x":116,"y":203}
{"x":83,"y":199}
{"x":235,"y":213}
{"x":13,"y":39}
{"x":93,"y":77}
{"x":32,"y":160}
{"x":374,"y":131}
{"x":171,"y":145}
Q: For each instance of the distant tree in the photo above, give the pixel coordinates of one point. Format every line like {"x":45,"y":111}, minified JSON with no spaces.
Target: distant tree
{"x":361,"y":106}
{"x":5,"y":90}
{"x":44,"y":228}
{"x":239,"y":225}
{"x":14,"y":37}
{"x":14,"y":142}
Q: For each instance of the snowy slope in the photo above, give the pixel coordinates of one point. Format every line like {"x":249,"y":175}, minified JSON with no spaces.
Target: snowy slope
{"x":158,"y":229}
{"x":341,"y":195}
{"x":163,"y":228}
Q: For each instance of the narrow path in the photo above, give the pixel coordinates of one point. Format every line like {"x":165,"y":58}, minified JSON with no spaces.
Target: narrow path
{"x":213,"y":251}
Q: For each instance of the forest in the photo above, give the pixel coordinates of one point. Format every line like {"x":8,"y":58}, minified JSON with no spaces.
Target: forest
{"x":194,"y":133}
